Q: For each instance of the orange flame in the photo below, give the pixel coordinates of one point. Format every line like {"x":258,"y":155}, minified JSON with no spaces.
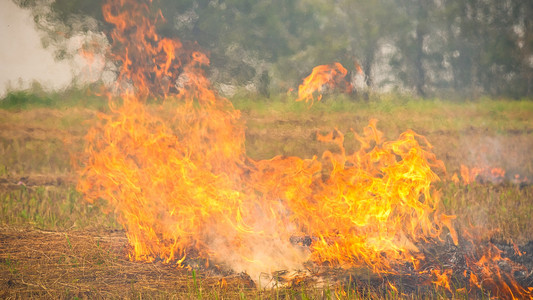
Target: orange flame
{"x":369,"y":204}
{"x":149,"y":63}
{"x":176,"y":191}
{"x":187,"y":187}
{"x":491,"y":277}
{"x":324,"y":75}
{"x":480,"y":174}
{"x":442,"y":279}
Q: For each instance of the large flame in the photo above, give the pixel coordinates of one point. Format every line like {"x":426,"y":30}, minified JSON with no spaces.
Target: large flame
{"x":363,"y":207}
{"x":186,"y":186}
{"x":191,"y":189}
{"x":183,"y":187}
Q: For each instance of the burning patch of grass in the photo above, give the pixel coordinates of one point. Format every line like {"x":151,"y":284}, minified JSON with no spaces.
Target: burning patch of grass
{"x":37,"y":191}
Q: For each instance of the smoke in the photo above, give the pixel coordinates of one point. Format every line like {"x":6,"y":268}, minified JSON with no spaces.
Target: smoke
{"x":261,"y":253}
{"x":507,"y":151}
{"x":267,"y":256}
{"x":22,"y":57}
{"x":24,"y":60}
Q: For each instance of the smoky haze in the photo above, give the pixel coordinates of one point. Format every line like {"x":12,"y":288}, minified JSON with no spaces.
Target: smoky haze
{"x":23,"y":59}
{"x":430,"y":48}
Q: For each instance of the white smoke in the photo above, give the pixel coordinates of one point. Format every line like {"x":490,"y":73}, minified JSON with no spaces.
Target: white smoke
{"x":24,"y":60}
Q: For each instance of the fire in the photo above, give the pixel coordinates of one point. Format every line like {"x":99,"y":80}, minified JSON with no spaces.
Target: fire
{"x":146,"y":61}
{"x":490,"y":275}
{"x":442,"y":279}
{"x":193,"y":190}
{"x":184,"y":188}
{"x":187,"y":187}
{"x":376,"y":202}
{"x":480,"y":174}
{"x":163,"y":192}
{"x":324,"y":75}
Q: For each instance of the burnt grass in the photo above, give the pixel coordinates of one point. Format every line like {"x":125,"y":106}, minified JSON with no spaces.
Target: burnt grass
{"x":515,"y":265}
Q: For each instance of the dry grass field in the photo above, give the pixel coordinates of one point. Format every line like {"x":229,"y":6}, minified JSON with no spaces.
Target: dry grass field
{"x":55,"y":245}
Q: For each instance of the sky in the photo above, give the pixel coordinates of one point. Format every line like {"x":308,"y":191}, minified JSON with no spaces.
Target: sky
{"x":22,"y":56}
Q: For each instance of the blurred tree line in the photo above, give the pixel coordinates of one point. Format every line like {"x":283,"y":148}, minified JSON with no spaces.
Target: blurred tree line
{"x":435,"y":47}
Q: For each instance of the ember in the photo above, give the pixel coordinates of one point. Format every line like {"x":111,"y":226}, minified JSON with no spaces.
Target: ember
{"x":185,"y":191}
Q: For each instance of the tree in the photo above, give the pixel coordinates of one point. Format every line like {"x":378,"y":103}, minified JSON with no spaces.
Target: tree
{"x":467,"y":46}
{"x":484,"y":45}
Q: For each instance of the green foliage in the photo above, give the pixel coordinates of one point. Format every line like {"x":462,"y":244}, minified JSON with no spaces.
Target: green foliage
{"x":68,"y":8}
{"x":35,"y":97}
{"x":470,"y":47}
{"x":24,"y":100}
{"x":57,"y":208}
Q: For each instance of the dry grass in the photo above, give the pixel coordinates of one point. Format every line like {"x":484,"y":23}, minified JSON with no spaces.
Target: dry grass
{"x":94,"y":265}
{"x":89,"y":264}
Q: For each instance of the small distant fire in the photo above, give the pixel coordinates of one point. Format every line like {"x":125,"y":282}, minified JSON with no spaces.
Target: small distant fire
{"x":331,"y":76}
{"x":186,"y":191}
{"x":492,"y":175}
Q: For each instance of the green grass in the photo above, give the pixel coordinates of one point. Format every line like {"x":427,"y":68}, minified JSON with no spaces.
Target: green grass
{"x":36,"y":97}
{"x":395,"y":111}
{"x":51,"y":208}
{"x":503,"y":210}
{"x":40,"y":133}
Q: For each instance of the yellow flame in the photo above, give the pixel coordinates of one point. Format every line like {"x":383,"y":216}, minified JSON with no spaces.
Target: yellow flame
{"x":324,"y":75}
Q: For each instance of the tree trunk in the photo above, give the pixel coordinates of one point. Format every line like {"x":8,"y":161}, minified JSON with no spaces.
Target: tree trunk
{"x":367,"y":68}
{"x":420,"y":80}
